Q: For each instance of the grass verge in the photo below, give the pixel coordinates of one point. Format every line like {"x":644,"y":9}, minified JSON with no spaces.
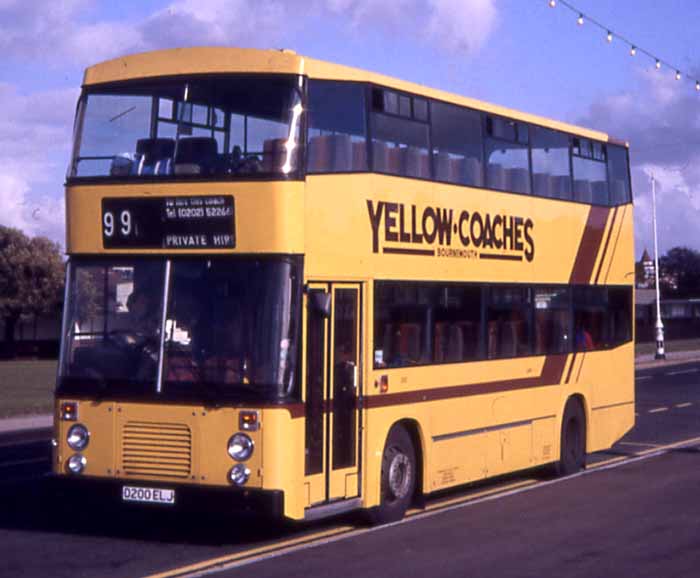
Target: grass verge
{"x":26,"y":387}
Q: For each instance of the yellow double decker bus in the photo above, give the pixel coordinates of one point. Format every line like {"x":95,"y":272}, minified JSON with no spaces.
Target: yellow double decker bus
{"x":296,"y":288}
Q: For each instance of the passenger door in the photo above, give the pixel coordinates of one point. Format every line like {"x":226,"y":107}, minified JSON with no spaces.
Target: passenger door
{"x":333,"y":388}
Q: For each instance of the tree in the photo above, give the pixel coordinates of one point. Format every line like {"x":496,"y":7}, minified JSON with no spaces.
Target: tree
{"x":679,"y":271}
{"x":31,"y":277}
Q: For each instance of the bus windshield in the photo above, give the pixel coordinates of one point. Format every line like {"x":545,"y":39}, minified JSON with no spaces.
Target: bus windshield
{"x":215,"y":127}
{"x":229,"y":331}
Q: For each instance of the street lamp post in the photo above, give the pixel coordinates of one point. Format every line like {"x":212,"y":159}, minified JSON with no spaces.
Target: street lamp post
{"x":660,"y":349}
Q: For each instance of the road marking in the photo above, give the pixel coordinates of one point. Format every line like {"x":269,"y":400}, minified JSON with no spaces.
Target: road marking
{"x":686,"y":404}
{"x":682,"y":372}
{"x":331,"y":536}
{"x":643,"y":377}
{"x":460,"y":499}
{"x":658,"y":410}
{"x":602,"y":463}
{"x":247,"y":556}
{"x":639,"y":444}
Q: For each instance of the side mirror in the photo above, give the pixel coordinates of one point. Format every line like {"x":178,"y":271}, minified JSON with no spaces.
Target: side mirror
{"x":320,"y":301}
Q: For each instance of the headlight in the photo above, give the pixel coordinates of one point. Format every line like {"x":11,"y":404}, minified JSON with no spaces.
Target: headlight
{"x":239,"y":475}
{"x":76,"y":463}
{"x":78,"y":437}
{"x":240,"y":447}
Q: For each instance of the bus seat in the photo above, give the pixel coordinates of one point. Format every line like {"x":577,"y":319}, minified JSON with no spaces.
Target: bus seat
{"x":415,"y":162}
{"x":274,"y":154}
{"x":443,"y":167}
{"x":562,"y":186}
{"x":455,"y":345}
{"x":544,"y":186}
{"x":394,"y":158}
{"x":473,"y":172}
{"x":409,"y":343}
{"x":583,"y":191}
{"x":496,"y":177}
{"x":440,"y":343}
{"x":600,"y":192}
{"x":156,"y":155}
{"x":518,"y":180}
{"x":380,"y":156}
{"x":618,"y":191}
{"x":195,"y":156}
{"x":342,"y":152}
{"x":457,"y":169}
{"x":122,"y":165}
{"x":359,"y":156}
{"x":319,"y":154}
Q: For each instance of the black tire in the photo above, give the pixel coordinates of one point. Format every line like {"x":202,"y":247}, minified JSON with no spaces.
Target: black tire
{"x":572,"y":454}
{"x":398,"y":477}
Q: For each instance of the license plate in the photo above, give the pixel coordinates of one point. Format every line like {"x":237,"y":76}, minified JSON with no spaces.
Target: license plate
{"x":148,"y":495}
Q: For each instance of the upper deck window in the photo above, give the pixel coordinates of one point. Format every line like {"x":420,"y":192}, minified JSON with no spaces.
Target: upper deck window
{"x":337,"y":127}
{"x":215,"y":127}
{"x":590,"y":176}
{"x":618,"y":175}
{"x":551,"y":173}
{"x":507,"y":157}
{"x":457,"y":146}
{"x":399,"y":134}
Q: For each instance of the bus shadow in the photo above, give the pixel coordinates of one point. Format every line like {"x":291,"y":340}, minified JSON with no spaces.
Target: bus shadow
{"x":29,"y":506}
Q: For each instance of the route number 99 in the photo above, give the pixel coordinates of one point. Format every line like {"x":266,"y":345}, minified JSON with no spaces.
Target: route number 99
{"x":124,"y":224}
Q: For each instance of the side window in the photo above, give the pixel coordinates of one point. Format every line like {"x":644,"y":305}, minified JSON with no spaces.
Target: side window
{"x":457,"y":334}
{"x":401,"y":324}
{"x":399,"y":134}
{"x":508,"y":322}
{"x":618,"y":175}
{"x":590,"y":174}
{"x":337,"y":127}
{"x":551,"y":175}
{"x":552,"y":320}
{"x":620,"y":314}
{"x":457,"y":144}
{"x":590,"y":313}
{"x":508,"y":167}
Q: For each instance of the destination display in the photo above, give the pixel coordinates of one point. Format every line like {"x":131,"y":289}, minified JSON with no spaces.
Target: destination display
{"x":206,"y":222}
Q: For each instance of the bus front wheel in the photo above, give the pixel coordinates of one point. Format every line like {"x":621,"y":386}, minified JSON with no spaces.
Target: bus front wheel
{"x":572,"y":456}
{"x":398,"y":477}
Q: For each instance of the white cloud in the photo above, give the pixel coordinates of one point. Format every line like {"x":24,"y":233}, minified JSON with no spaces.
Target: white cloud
{"x":660,"y":119}
{"x":35,"y":140}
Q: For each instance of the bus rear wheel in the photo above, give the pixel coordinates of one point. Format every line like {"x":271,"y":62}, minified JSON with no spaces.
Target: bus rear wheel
{"x":572,"y":456}
{"x":398,"y":477}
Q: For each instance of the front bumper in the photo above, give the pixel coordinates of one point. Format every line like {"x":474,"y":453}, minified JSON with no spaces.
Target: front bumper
{"x":190,"y":498}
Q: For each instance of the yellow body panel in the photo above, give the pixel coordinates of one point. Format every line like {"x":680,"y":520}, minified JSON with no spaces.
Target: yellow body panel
{"x":269,"y":216}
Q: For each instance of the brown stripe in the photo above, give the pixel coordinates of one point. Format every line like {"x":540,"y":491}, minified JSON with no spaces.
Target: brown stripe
{"x":580,"y":368}
{"x":589,"y":246}
{"x":552,"y":372}
{"x":568,"y":374}
{"x":605,"y":247}
{"x":617,"y":240}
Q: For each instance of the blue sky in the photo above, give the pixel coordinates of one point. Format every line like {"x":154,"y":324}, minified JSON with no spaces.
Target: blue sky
{"x":519,"y":53}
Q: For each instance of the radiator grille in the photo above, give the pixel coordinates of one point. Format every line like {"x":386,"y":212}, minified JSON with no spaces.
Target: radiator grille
{"x":156,"y":449}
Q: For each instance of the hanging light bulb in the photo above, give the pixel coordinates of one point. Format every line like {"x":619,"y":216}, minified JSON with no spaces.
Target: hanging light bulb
{"x":610,"y":36}
{"x":678,"y":74}
{"x":658,"y":64}
{"x":697,"y":85}
{"x":552,"y":3}
{"x":633,"y":50}
{"x":579,"y":20}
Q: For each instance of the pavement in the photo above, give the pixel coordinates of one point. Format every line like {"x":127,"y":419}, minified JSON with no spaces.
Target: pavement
{"x":646,"y":361}
{"x":30,"y":422}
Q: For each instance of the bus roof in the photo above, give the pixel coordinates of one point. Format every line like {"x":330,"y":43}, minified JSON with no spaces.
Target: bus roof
{"x":218,"y":60}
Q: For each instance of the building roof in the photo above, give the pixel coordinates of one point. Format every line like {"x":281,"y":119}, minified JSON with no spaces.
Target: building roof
{"x":645,"y":256}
